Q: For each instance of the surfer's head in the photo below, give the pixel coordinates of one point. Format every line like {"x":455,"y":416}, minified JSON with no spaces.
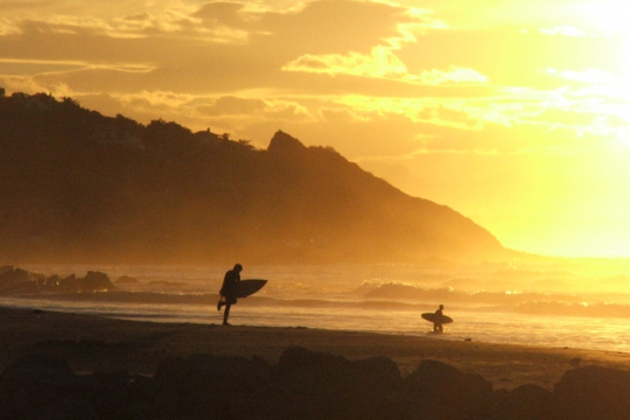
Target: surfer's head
{"x":238,"y":268}
{"x":441,"y":306}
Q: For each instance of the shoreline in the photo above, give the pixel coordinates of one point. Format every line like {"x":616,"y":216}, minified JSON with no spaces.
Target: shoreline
{"x":90,"y":343}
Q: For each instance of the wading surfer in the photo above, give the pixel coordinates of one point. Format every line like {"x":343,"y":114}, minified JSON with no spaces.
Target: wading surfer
{"x":228,"y":299}
{"x":437,"y":320}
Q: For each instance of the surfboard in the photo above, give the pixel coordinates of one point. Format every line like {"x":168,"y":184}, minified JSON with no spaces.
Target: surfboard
{"x":248,"y":287}
{"x":430,"y":316}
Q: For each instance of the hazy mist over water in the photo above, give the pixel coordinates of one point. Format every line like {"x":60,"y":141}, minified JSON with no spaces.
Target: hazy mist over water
{"x":576,"y":304}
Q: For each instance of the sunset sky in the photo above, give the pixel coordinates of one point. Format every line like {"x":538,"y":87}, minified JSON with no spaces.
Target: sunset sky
{"x":516,"y":113}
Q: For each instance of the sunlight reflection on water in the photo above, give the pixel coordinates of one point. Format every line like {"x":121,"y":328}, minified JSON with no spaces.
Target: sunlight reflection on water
{"x":571,"y":332}
{"x":383,"y":299}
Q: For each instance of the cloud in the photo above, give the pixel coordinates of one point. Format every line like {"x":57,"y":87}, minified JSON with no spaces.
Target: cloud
{"x":453,"y":75}
{"x":342,"y":115}
{"x":454,"y":113}
{"x":564,"y":30}
{"x":23,"y":84}
{"x":251,"y":108}
{"x":231,"y":105}
{"x":589,"y":76}
{"x":63,"y":66}
{"x":8,"y":27}
{"x":381,"y":62}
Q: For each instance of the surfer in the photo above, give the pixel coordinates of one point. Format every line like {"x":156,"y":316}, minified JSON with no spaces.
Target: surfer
{"x":437,"y":320}
{"x":227,"y":295}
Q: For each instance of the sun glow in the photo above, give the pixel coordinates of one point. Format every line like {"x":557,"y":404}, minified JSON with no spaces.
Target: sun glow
{"x":609,"y":16}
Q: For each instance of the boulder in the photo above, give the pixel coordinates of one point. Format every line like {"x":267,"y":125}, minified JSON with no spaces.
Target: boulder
{"x":595,"y":393}
{"x":95,"y":281}
{"x":23,"y":288}
{"x":18,"y":281}
{"x":127,"y":280}
{"x":445,"y":385}
{"x":378,"y":372}
{"x":34,"y":383}
{"x":530,"y":402}
{"x":113,"y":393}
{"x":12,"y":278}
{"x":310,"y":372}
{"x":69,"y":284}
{"x":37,"y":386}
{"x":313,"y":385}
{"x":205,"y":386}
{"x":68,"y":409}
{"x":49,"y":284}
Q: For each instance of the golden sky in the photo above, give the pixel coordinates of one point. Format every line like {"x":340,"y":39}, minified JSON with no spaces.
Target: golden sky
{"x":516,"y":113}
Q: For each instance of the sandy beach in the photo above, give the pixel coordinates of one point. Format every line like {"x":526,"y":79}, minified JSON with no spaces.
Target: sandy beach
{"x":90,"y":343}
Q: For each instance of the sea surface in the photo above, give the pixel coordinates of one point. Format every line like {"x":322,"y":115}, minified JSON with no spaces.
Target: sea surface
{"x":575,"y":304}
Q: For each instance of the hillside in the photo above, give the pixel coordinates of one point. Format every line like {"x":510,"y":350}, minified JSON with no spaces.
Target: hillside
{"x":78,"y":186}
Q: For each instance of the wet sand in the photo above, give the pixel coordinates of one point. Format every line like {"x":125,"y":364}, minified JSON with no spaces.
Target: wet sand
{"x":91,"y":343}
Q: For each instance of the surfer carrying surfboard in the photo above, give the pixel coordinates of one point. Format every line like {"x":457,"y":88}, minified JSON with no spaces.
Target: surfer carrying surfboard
{"x":228,"y":297}
{"x":437,"y":320}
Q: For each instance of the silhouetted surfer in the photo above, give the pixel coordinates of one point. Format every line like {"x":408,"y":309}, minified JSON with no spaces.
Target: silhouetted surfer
{"x":227,"y":295}
{"x":437,"y":320}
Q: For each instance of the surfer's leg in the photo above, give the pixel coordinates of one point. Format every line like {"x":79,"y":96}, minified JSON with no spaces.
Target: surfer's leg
{"x":226,"y":313}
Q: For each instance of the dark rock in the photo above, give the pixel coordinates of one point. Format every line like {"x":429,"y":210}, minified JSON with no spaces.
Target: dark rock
{"x":12,"y":278}
{"x":302,"y":385}
{"x":530,"y":402}
{"x":43,"y":387}
{"x":205,"y":385}
{"x":595,"y":393}
{"x":68,"y":409}
{"x":49,"y":284}
{"x":37,"y":277}
{"x":378,"y":373}
{"x":18,"y":281}
{"x":34,"y":383}
{"x":311,"y":372}
{"x":127,"y":280}
{"x":445,"y":385}
{"x":111,"y":393}
{"x":315,"y":385}
{"x":69,"y":284}
{"x":95,"y":281}
{"x":22,"y":288}
{"x":139,"y":411}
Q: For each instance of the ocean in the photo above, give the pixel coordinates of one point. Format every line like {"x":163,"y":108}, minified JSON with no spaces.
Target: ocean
{"x":581,"y":304}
